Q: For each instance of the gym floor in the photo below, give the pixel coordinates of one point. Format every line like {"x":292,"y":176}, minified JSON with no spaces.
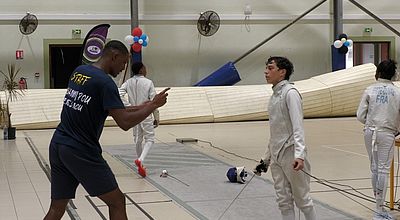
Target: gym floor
{"x":335,"y":146}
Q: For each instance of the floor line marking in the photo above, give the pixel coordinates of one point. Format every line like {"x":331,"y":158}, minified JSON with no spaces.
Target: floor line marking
{"x":351,"y":152}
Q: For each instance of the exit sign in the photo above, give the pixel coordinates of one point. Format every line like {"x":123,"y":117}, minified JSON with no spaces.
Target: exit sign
{"x":76,"y":33}
{"x":368,"y":30}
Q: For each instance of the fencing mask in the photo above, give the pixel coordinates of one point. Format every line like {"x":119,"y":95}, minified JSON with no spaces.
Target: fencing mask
{"x":236,"y":175}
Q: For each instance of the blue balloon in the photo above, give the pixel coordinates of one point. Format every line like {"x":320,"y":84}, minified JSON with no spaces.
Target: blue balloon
{"x":143,"y":37}
{"x":144,"y":43}
{"x":135,"y":39}
{"x":346,"y":43}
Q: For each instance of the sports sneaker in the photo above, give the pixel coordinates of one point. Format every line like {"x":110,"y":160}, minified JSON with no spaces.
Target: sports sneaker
{"x":141,"y":168}
{"x":382,"y":216}
{"x":386,"y":215}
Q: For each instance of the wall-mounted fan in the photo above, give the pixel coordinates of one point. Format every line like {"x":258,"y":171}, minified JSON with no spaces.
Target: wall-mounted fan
{"x":208,"y":23}
{"x":28,"y":24}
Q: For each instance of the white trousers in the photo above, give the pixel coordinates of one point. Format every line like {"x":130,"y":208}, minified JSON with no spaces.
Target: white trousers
{"x":144,"y":130}
{"x":379,"y":145}
{"x":292,"y":186}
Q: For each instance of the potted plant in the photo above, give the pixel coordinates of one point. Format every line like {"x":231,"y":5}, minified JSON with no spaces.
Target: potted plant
{"x":3,"y":115}
{"x":12,"y":92}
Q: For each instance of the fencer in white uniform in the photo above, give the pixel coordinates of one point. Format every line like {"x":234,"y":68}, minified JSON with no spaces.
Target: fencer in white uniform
{"x":379,"y":111}
{"x":141,"y":89}
{"x":286,"y":154}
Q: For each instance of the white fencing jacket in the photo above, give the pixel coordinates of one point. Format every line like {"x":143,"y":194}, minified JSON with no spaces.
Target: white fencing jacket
{"x":139,"y":90}
{"x":379,"y":108}
{"x":286,"y":121}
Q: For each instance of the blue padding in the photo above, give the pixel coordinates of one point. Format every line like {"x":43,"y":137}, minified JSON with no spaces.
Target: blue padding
{"x":136,"y":57}
{"x":227,"y":75}
{"x":338,"y":59}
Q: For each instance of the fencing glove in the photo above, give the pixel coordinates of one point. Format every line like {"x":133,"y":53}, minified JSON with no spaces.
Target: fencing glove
{"x":262,"y":167}
{"x":156,"y":115}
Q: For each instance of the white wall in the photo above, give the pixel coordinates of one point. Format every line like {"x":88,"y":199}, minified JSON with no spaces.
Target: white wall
{"x":176,"y":54}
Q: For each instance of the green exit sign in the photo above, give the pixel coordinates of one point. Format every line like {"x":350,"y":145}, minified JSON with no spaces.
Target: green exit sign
{"x":368,"y":30}
{"x":76,"y":31}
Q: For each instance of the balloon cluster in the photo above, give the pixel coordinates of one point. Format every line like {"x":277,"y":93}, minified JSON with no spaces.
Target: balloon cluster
{"x":137,"y":40}
{"x":343,"y":43}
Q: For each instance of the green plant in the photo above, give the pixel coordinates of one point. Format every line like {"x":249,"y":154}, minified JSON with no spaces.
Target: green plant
{"x":10,"y":86}
{"x":3,"y":115}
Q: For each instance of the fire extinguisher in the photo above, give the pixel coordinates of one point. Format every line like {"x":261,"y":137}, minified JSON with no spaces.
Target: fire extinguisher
{"x":22,"y":83}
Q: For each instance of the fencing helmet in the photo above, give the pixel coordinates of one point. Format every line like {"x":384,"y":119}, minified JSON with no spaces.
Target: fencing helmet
{"x":237,"y":175}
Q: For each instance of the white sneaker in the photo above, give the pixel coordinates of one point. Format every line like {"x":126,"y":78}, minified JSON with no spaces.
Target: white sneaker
{"x":387,"y":216}
{"x":382,"y":216}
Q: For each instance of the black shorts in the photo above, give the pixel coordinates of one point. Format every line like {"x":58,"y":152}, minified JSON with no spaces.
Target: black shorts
{"x":71,"y":166}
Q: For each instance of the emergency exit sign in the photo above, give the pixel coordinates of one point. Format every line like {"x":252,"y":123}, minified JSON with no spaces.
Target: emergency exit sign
{"x":76,"y":33}
{"x":368,"y":30}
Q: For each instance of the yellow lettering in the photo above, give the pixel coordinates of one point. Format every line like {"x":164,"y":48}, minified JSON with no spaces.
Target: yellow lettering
{"x":86,"y":79}
{"x":73,"y":76}
{"x":79,"y":78}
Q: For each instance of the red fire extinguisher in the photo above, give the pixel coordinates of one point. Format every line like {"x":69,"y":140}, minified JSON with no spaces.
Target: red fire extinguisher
{"x":22,"y":83}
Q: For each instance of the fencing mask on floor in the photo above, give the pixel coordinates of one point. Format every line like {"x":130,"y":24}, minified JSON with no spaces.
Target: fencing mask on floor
{"x":237,"y":174}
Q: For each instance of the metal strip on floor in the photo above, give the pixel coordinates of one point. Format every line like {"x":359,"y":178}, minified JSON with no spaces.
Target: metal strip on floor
{"x":46,"y":169}
{"x":207,"y":193}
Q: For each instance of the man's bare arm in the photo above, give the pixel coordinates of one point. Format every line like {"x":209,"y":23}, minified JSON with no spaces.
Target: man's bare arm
{"x":128,"y":117}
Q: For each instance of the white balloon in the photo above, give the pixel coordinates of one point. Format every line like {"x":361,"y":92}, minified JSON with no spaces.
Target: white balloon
{"x":343,"y":40}
{"x":129,"y":39}
{"x":350,"y":42}
{"x":140,"y":41}
{"x":338,"y":44}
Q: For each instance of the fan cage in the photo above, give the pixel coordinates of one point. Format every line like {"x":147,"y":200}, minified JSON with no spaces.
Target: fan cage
{"x":28,"y":24}
{"x":208,"y":23}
